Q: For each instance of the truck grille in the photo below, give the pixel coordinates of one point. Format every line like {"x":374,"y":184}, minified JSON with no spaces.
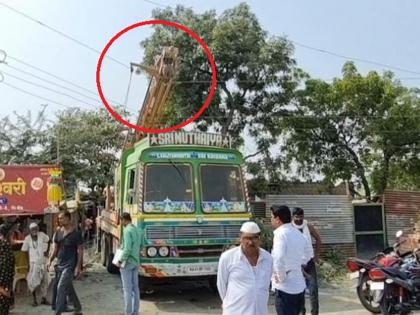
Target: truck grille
{"x":199,"y":251}
{"x":192,"y":232}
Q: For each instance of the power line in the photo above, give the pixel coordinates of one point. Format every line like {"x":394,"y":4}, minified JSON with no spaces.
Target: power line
{"x":51,"y":82}
{"x":34,"y":95}
{"x":158,"y":4}
{"x":128,"y":88}
{"x":353,"y":58}
{"x":325,"y":51}
{"x":58,"y":78}
{"x":63,"y":34}
{"x":54,"y":76}
{"x":49,"y":89}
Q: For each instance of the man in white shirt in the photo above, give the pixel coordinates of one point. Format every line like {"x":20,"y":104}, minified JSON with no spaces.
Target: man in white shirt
{"x":244,"y":273}
{"x":309,"y":231}
{"x":290,"y":253}
{"x":36,"y":243}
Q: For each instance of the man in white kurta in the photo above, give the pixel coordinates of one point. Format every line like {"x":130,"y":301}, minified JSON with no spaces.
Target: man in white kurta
{"x":36,"y":243}
{"x":291,"y":252}
{"x":244,"y":275}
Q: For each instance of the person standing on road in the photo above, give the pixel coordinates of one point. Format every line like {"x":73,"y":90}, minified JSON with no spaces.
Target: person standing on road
{"x":310,"y":232}
{"x":68,"y":248}
{"x":7,"y":270}
{"x":36,"y":243}
{"x":243,"y":275}
{"x":291,"y":252}
{"x":129,"y":264}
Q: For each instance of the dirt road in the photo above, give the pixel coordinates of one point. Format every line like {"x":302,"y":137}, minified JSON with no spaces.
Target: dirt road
{"x":101,"y":294}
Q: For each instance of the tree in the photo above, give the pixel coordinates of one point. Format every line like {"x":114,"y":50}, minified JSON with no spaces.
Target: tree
{"x":89,"y":144}
{"x":353,"y":128}
{"x":256,"y":74}
{"x":21,"y":138}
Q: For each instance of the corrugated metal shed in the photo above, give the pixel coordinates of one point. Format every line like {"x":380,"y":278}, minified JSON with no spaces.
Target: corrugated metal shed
{"x":258,"y":209}
{"x":401,"y":211}
{"x":332,"y":215}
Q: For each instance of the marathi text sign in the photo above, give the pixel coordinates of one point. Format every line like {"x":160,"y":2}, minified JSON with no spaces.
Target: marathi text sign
{"x":23,"y":189}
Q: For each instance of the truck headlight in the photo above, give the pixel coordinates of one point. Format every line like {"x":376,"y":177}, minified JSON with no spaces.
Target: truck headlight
{"x":163,"y":251}
{"x":152,"y":252}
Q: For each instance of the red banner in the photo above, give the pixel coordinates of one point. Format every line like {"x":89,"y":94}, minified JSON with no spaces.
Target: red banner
{"x":23,"y":189}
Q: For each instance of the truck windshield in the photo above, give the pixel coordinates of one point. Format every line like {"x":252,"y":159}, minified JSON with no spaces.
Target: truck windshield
{"x":168,"y":188}
{"x":222,"y":189}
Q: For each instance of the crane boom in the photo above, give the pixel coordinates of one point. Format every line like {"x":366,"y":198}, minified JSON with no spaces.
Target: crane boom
{"x":160,"y":84}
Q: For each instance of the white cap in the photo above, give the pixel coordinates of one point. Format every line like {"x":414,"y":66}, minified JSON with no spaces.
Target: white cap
{"x":250,"y":227}
{"x":33,"y":225}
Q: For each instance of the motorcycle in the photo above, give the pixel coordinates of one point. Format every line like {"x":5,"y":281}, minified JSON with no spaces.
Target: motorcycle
{"x":399,"y":287}
{"x":360,"y":268}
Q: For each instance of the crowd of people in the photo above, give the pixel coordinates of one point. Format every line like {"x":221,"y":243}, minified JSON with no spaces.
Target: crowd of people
{"x":245,"y":273}
{"x":67,"y":248}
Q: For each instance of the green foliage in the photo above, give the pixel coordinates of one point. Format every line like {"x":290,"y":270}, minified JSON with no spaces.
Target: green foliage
{"x":266,"y":234}
{"x":86,"y":144}
{"x":332,"y":268}
{"x":353,"y":127}
{"x":256,"y":74}
{"x":89,"y":145}
{"x":21,"y":138}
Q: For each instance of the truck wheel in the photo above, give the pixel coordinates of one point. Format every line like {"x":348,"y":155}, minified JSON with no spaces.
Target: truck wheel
{"x":145,"y":285}
{"x":110,"y":267}
{"x":213,"y":284}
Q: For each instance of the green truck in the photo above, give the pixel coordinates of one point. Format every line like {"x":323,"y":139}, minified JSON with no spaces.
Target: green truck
{"x":186,"y":194}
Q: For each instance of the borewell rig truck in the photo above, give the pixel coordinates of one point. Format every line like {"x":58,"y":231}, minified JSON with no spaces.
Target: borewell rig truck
{"x":185,"y":191}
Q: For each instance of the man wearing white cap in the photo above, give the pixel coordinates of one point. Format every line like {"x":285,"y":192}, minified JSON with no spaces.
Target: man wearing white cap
{"x":36,"y":243}
{"x":244,"y":274}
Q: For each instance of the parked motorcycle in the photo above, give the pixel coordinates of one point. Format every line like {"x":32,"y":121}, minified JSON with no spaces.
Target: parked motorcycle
{"x":399,"y":287}
{"x":360,"y":268}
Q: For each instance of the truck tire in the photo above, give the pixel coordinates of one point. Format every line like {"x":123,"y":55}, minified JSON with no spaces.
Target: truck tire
{"x":145,"y":285}
{"x":213,"y":284}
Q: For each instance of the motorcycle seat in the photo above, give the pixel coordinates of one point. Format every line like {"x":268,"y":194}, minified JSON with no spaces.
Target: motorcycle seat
{"x":398,"y":273}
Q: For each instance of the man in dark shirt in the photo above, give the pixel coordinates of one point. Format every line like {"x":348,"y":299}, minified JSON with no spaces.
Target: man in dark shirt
{"x":68,"y":248}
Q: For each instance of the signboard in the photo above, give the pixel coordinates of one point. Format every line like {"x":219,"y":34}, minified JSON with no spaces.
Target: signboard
{"x":190,"y":138}
{"x":23,"y":189}
{"x":192,"y":155}
{"x":334,"y":208}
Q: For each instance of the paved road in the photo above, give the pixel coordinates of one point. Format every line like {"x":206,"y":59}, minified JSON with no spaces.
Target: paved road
{"x":101,"y":294}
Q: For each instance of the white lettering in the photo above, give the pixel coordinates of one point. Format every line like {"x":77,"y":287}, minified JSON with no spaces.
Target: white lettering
{"x":190,"y":138}
{"x":178,"y":138}
{"x":204,"y":139}
{"x":161,"y":138}
{"x":167,"y":138}
{"x":219,"y":140}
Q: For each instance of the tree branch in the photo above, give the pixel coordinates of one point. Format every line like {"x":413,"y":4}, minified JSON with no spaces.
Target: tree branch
{"x":254,"y":154}
{"x":229,"y":119}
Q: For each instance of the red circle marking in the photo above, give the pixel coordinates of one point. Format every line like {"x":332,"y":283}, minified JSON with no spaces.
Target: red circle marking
{"x":182,"y":28}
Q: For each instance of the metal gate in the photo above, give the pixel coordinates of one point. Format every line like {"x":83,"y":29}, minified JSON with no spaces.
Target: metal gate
{"x":369,"y":229}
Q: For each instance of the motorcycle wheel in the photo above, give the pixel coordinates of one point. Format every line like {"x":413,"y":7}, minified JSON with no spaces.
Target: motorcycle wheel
{"x":388,"y":304}
{"x":366,"y":296}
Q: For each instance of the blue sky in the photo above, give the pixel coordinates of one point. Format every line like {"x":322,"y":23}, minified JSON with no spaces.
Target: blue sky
{"x":382,"y":31}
